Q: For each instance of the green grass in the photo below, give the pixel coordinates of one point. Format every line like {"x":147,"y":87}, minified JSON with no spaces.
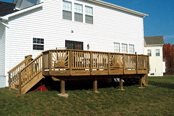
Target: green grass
{"x":156,"y":99}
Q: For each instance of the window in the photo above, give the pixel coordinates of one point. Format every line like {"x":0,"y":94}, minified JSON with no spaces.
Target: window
{"x":38,"y":44}
{"x":78,"y":12}
{"x":149,"y":52}
{"x":116,"y":47}
{"x":88,"y":14}
{"x":157,"y":52}
{"x":67,"y":10}
{"x":131,"y":48}
{"x":124,"y":48}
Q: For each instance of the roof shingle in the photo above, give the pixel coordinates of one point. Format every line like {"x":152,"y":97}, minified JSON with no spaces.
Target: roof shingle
{"x":154,"y":40}
{"x":6,"y":8}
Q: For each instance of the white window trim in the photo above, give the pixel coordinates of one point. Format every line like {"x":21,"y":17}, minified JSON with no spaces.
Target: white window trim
{"x":119,"y":47}
{"x":150,"y":52}
{"x":38,"y":43}
{"x":133,"y":48}
{"x":126,"y":47}
{"x":158,"y":52}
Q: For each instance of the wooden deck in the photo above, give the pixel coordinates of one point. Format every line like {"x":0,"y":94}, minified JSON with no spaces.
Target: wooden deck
{"x":67,"y":64}
{"x":80,"y":63}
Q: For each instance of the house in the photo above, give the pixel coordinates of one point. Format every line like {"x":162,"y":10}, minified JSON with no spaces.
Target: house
{"x":34,"y":26}
{"x":153,"y":46}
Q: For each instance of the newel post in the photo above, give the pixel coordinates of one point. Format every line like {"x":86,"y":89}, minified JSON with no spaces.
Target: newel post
{"x":124,"y":63}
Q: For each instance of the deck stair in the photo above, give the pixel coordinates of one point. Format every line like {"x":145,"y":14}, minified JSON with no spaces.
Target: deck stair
{"x":26,"y":77}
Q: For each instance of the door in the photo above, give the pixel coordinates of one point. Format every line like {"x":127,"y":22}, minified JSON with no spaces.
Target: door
{"x":73,"y":45}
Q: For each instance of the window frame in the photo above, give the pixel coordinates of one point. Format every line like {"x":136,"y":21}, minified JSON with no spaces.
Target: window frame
{"x":126,"y":47}
{"x":37,"y":43}
{"x":89,"y":15}
{"x":115,"y":49}
{"x":150,"y":54}
{"x":133,"y":48}
{"x":65,"y":10}
{"x":157,"y":54}
{"x":75,"y":12}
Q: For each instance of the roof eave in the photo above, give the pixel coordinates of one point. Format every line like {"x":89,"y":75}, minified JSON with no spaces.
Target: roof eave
{"x":6,"y":17}
{"x":118,"y":7}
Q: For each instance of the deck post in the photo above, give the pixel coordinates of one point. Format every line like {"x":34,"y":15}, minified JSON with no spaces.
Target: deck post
{"x":91,"y":59}
{"x":62,"y":89}
{"x":140,"y":83}
{"x":137,"y":64}
{"x":95,"y":85}
{"x":20,"y":83}
{"x":109,"y":63}
{"x":121,"y":84}
{"x":70,"y":62}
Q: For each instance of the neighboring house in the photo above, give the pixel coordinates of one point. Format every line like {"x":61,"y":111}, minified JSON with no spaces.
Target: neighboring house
{"x":38,"y":25}
{"x":153,"y":46}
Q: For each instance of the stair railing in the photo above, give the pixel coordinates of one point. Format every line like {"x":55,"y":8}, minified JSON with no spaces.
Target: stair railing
{"x":30,"y":71}
{"x":13,"y":73}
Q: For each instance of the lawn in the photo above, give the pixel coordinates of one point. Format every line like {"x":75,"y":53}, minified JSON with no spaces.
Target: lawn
{"x":156,"y":99}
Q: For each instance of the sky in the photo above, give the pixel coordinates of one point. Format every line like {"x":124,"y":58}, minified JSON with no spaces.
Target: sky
{"x":160,"y":20}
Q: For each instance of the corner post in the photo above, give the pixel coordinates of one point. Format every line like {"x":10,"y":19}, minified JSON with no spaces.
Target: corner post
{"x":50,"y":62}
{"x":91,"y":59}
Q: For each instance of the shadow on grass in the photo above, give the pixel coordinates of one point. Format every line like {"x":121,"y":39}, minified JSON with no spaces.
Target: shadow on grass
{"x":162,"y":84}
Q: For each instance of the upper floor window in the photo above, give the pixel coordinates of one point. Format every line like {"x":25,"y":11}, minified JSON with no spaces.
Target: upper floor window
{"x":67,"y":10}
{"x":124,"y":48}
{"x":116,"y":47}
{"x":149,"y":52}
{"x":78,"y":12}
{"x":38,"y":44}
{"x":88,"y":14}
{"x":157,"y":52}
{"x":131,"y":48}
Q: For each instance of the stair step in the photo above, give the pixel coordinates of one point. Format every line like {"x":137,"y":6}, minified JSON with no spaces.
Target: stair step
{"x":15,"y":89}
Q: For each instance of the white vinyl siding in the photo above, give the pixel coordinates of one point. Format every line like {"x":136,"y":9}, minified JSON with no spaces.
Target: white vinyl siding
{"x":126,"y":28}
{"x":2,"y":56}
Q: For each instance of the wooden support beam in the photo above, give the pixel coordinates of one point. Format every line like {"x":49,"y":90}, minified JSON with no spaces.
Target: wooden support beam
{"x":121,"y":84}
{"x":137,"y":64}
{"x":62,"y":89}
{"x":124,"y":64}
{"x":140,"y":83}
{"x":70,"y":62}
{"x":95,"y":86}
{"x":20,"y":83}
{"x":9,"y":81}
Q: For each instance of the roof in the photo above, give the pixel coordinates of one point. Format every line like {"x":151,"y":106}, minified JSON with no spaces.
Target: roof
{"x":106,"y":4}
{"x":6,"y":8}
{"x":154,"y":40}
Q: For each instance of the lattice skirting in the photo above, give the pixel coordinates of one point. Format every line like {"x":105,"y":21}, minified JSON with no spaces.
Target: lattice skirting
{"x":2,"y":81}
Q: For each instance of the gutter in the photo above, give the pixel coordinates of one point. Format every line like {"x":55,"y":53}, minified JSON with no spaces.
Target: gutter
{"x":118,"y":7}
{"x":3,"y":23}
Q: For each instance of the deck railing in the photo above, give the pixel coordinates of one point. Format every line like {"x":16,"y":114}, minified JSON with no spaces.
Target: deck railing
{"x":13,"y":73}
{"x":79,"y":62}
